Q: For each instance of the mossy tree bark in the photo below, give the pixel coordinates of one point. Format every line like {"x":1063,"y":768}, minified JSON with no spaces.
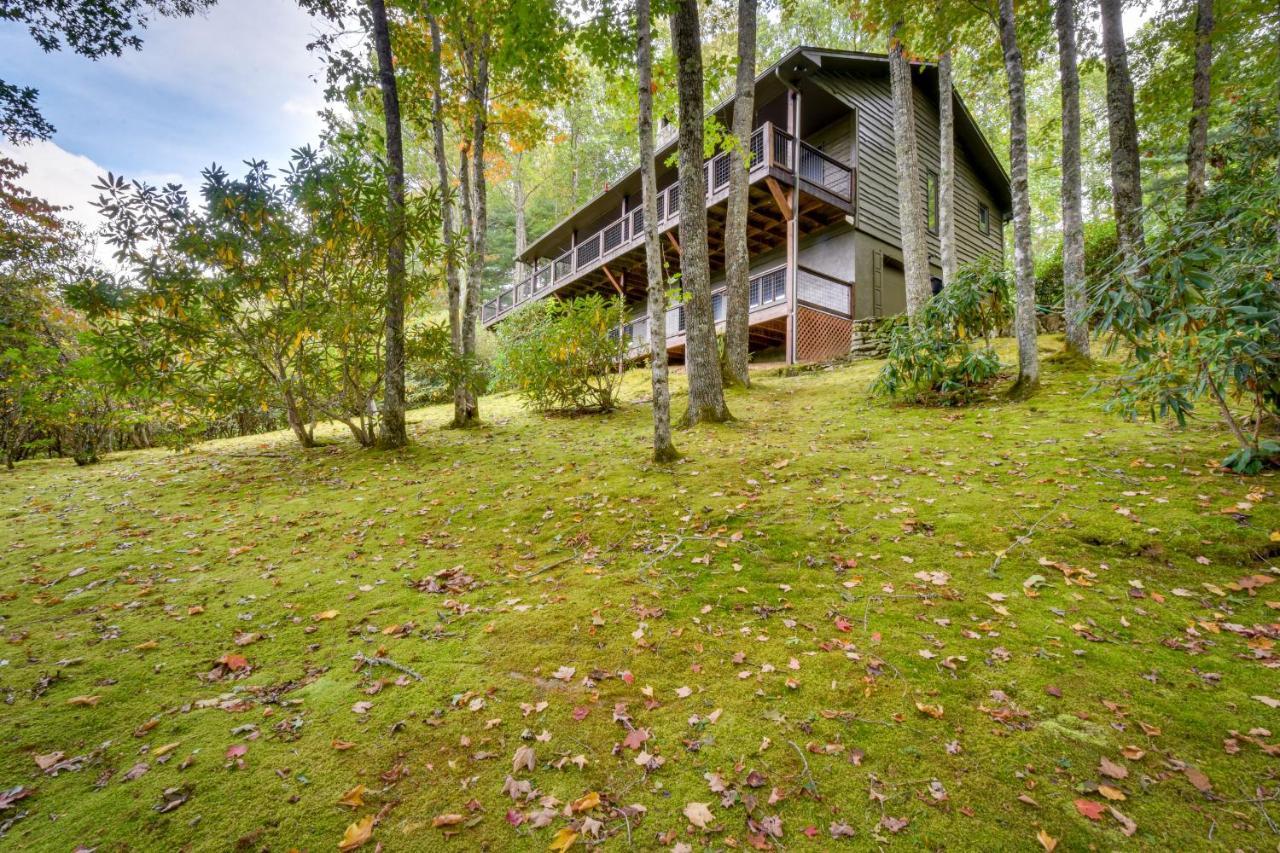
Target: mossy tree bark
{"x":663,"y":449}
{"x":706,"y":392}
{"x":1023,"y":264}
{"x":734,"y":369}
{"x":1075,"y":300}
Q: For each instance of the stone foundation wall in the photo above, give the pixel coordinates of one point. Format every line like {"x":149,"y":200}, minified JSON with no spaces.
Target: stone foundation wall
{"x":863,"y":340}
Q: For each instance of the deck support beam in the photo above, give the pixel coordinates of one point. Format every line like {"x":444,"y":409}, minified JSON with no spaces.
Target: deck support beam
{"x":779,"y":197}
{"x":675,"y":243}
{"x":609,"y":275}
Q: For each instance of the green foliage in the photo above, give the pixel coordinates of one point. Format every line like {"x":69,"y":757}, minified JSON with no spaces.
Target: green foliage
{"x":1100,"y":259}
{"x":1199,"y":313}
{"x":435,"y":367}
{"x":268,"y":295}
{"x":944,"y":356}
{"x":562,"y":356}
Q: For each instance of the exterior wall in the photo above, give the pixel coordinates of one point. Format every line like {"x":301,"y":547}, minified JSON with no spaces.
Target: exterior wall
{"x":830,"y":251}
{"x":877,"y":170}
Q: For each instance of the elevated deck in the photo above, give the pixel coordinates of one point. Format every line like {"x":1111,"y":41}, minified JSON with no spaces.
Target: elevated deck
{"x":612,"y":258}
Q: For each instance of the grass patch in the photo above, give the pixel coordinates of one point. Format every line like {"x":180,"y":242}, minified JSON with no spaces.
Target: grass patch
{"x":814,"y":573}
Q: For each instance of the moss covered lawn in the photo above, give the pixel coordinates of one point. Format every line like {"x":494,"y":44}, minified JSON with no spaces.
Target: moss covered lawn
{"x":837,"y":624}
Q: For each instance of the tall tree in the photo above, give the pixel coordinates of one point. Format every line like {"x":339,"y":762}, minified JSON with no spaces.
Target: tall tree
{"x":1075,"y":301}
{"x":737,"y":259}
{"x":911,"y":204}
{"x":663,"y":449}
{"x":1126,"y":171}
{"x":706,"y":392}
{"x":1198,"y":135}
{"x":393,"y":433}
{"x":946,"y":168}
{"x":453,"y":282}
{"x":1023,"y":264}
{"x":477,"y":43}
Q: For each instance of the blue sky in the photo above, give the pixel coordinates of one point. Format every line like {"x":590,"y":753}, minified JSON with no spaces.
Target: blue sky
{"x":233,"y":84}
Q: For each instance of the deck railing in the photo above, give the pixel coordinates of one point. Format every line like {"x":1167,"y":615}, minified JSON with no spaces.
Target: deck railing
{"x":770,"y":147}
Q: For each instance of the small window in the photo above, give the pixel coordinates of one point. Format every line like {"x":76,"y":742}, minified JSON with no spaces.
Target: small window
{"x":984,"y":219}
{"x":931,"y":201}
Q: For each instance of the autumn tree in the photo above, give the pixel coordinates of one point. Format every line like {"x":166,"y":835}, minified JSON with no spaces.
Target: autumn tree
{"x":480,"y":59}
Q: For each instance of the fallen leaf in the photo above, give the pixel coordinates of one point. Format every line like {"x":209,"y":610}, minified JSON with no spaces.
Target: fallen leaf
{"x":698,"y":814}
{"x":353,"y":798}
{"x":1090,"y":809}
{"x":563,"y":840}
{"x":1047,"y":841}
{"x":357,"y":834}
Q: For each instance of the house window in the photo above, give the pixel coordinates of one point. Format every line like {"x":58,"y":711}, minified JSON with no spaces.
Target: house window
{"x":984,"y":219}
{"x":931,"y":200}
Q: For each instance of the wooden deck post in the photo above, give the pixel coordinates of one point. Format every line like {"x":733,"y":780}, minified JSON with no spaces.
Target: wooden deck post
{"x":793,"y":221}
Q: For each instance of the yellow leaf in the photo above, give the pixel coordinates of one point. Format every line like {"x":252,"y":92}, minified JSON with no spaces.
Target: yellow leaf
{"x":353,"y":798}
{"x":167,"y":748}
{"x":325,"y":616}
{"x":563,"y":841}
{"x":587,"y":803}
{"x":1047,"y":841}
{"x":89,"y":701}
{"x":357,"y":834}
{"x":934,"y":711}
{"x":1111,"y":793}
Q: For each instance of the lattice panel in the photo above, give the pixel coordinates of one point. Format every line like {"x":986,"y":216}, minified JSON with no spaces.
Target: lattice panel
{"x":820,"y":336}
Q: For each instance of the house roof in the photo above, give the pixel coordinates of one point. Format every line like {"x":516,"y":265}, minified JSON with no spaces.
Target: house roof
{"x":794,"y":65}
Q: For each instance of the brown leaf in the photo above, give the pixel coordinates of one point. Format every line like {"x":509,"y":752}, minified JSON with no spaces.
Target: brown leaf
{"x":1107,"y":767}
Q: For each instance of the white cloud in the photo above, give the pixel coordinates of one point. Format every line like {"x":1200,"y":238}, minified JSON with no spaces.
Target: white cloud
{"x":60,"y":177}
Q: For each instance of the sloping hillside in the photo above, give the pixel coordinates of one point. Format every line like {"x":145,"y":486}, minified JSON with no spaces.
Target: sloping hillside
{"x":836,"y":622}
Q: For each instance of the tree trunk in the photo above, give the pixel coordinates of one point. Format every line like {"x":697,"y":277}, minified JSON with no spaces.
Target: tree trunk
{"x":911,"y":205}
{"x":518,"y":201}
{"x":1126,"y":172}
{"x":663,"y":449}
{"x":733,"y":369}
{"x":1023,"y":266}
{"x":946,"y":169}
{"x":296,"y":422}
{"x":706,"y":393}
{"x":1075,"y":301}
{"x":476,"y":59}
{"x":1198,"y":135}
{"x":452,"y":280}
{"x":394,"y":433}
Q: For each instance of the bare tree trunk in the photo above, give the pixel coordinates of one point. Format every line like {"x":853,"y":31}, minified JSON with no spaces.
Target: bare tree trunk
{"x":946,"y":169}
{"x":1075,"y":300}
{"x":476,"y":61}
{"x":1198,"y":135}
{"x":663,"y":449}
{"x":452,"y":281}
{"x":911,"y":212}
{"x":518,"y":201}
{"x":394,"y":433}
{"x":733,"y":369}
{"x":1023,"y":267}
{"x":1126,"y":171}
{"x":706,"y":393}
